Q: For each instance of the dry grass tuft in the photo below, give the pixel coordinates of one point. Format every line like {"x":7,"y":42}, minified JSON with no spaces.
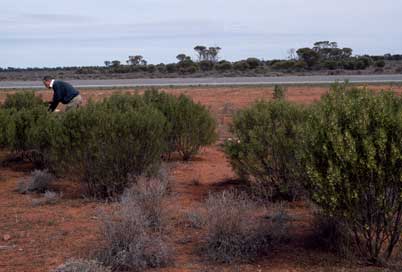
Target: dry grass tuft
{"x":134,"y":234}
{"x":234,"y":233}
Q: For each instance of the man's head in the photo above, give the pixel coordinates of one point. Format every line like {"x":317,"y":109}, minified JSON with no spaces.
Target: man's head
{"x":46,"y":81}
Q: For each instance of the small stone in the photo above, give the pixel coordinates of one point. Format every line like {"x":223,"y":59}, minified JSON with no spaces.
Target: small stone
{"x":6,"y":237}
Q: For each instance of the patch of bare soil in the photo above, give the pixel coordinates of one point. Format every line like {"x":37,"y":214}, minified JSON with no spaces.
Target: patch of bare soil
{"x":38,"y":238}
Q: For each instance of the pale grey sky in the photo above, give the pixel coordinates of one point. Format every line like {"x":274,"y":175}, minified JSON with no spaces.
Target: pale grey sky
{"x":87,"y":32}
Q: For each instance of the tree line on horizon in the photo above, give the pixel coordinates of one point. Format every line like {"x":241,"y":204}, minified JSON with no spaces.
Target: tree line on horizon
{"x":323,"y":55}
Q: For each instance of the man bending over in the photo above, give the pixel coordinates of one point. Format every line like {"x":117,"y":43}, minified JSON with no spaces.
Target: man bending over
{"x":62,"y":92}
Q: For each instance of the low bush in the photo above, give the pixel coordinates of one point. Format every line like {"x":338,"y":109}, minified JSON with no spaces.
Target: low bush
{"x":193,"y":219}
{"x":5,"y":120}
{"x":79,"y":265}
{"x":109,"y":142}
{"x":353,"y":158}
{"x":380,"y":64}
{"x":234,"y":234}
{"x":22,"y":132}
{"x":223,"y":66}
{"x":38,"y":182}
{"x":241,"y":65}
{"x":194,"y":127}
{"x":123,"y":102}
{"x":22,"y":100}
{"x":264,"y":148}
{"x":279,"y":92}
{"x":254,"y":63}
{"x":108,"y":147}
{"x":191,"y":125}
{"x":18,"y":126}
{"x":284,"y":65}
{"x":149,"y":193}
{"x":49,"y":198}
{"x":331,"y":233}
{"x":131,"y":242}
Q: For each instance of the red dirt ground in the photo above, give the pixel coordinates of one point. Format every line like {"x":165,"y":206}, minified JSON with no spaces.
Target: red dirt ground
{"x":42,"y":237}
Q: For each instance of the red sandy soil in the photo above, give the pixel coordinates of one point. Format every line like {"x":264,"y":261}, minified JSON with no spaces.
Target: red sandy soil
{"x":43,"y":237}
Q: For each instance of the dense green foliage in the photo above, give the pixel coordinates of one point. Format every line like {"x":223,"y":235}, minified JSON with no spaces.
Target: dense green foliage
{"x":353,"y":160}
{"x":22,"y":100}
{"x":279,"y":92}
{"x":264,"y":148}
{"x":20,"y":115}
{"x":191,"y":125}
{"x":110,"y":148}
{"x":109,"y":143}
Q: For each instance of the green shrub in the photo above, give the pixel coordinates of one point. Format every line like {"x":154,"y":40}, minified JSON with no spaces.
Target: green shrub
{"x":123,"y":102}
{"x":264,"y":149}
{"x":241,"y":65}
{"x":171,"y":67}
{"x":5,"y":119}
{"x":44,"y":136}
{"x":194,"y":127}
{"x":223,"y":66}
{"x":104,"y":144}
{"x":253,"y":63}
{"x":161,"y":68}
{"x":191,"y":125}
{"x":279,"y":92}
{"x":167,"y":104}
{"x":22,"y":100}
{"x":330,"y":64}
{"x":20,"y":114}
{"x":206,"y":65}
{"x":284,"y":65}
{"x":108,"y":147}
{"x":380,"y":63}
{"x":20,"y":125}
{"x":353,"y":159}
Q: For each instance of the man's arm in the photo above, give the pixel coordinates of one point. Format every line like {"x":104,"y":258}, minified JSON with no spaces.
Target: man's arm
{"x":56,"y":97}
{"x":53,"y":105}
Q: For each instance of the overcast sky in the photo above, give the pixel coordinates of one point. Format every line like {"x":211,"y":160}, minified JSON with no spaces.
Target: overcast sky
{"x":88,"y":32}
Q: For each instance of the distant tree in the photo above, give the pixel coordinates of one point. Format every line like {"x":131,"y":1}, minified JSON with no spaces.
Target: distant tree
{"x":380,"y":63}
{"x":187,"y":66}
{"x":116,"y":63}
{"x":181,"y":57}
{"x":292,"y":54}
{"x":171,"y":67}
{"x":329,"y":51}
{"x":135,"y":60}
{"x":309,"y":56}
{"x":209,"y":54}
{"x":347,"y":52}
{"x":241,"y":65}
{"x":324,"y":45}
{"x":151,"y":68}
{"x":161,"y":68}
{"x":253,"y":63}
{"x":206,"y":65}
{"x":108,"y":63}
{"x":213,"y":54}
{"x":202,"y":52}
{"x":223,"y":66}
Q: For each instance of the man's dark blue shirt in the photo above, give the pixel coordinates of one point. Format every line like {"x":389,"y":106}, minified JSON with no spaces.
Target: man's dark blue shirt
{"x":63,"y":92}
